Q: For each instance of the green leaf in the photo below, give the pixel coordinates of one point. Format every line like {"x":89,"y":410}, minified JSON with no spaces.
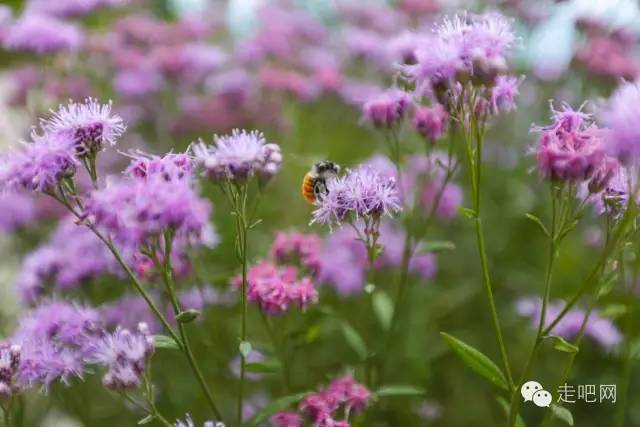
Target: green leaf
{"x":188,"y":315}
{"x":399,"y":390}
{"x":469,"y":213}
{"x":561,"y":344}
{"x":245,"y":348}
{"x":146,"y":420}
{"x":275,"y":406}
{"x":505,"y":406}
{"x":354,"y":340}
{"x":477,"y":361}
{"x":562,"y":413}
{"x":383,"y":307}
{"x":539,"y":222}
{"x":264,"y":367}
{"x":438,"y":246}
{"x":613,"y":311}
{"x":163,"y":341}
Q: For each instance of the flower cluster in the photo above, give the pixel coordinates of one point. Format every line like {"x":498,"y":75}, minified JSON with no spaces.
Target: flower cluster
{"x":72,"y":256}
{"x":239,"y":156}
{"x":298,"y":249}
{"x":362,"y":193}
{"x":55,"y":340}
{"x":387,"y":108}
{"x":38,"y":33}
{"x":322,"y":407}
{"x":601,"y":329}
{"x":145,"y":205}
{"x":275,"y":288}
{"x":430,"y":122}
{"x":125,"y":355}
{"x":571,"y":148}
{"x":73,"y":132}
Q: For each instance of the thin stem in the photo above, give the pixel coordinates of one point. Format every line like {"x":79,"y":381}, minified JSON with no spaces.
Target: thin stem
{"x":514,"y":407}
{"x":476,"y":174}
{"x":6,"y":413}
{"x":625,"y":374}
{"x":188,"y":352}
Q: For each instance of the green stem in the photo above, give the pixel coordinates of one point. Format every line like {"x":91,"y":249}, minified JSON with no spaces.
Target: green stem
{"x":186,"y":345}
{"x":475,"y":161}
{"x":625,"y":374}
{"x":514,"y":407}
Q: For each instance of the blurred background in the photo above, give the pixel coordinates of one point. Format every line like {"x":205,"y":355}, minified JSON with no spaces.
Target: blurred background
{"x":179,"y":70}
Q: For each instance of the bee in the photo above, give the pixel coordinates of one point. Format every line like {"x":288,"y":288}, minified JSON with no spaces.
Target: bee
{"x":314,"y":183}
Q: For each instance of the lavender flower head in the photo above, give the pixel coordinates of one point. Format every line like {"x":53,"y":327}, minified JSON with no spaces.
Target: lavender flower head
{"x":55,"y":338}
{"x":239,"y":156}
{"x":503,"y":94}
{"x":571,"y":148}
{"x":386,"y":109}
{"x":89,"y":124}
{"x":600,"y":329}
{"x":362,"y":193}
{"x":39,"y":165}
{"x":125,"y":355}
{"x":622,"y":116}
{"x":42,"y":34}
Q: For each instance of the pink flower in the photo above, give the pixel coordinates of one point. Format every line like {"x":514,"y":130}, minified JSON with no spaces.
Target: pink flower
{"x":431,"y":122}
{"x":386,"y":109}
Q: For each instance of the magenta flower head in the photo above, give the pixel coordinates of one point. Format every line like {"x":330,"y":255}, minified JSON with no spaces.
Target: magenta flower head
{"x":622,"y":117}
{"x":287,"y":419}
{"x":430,"y":122}
{"x":125,"y":355}
{"x":89,"y":125}
{"x":298,"y":249}
{"x":40,"y":164}
{"x":42,"y":34}
{"x":386,"y":109}
{"x":362,"y":193}
{"x":503,"y":94}
{"x":571,"y":149}
{"x":275,"y":288}
{"x":9,"y":363}
{"x":238,"y":156}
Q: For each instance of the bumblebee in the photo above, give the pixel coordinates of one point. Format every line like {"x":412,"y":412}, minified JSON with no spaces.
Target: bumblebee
{"x":314,"y":183}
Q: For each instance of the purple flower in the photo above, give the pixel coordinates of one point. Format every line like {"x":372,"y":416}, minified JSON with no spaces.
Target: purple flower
{"x":71,"y":8}
{"x":136,"y":210}
{"x":622,"y":117}
{"x":503,"y":94}
{"x":125,"y":355}
{"x":360,"y":194}
{"x":430,"y":122}
{"x":73,"y":255}
{"x":386,"y":109}
{"x":602,"y":330}
{"x":17,"y":209}
{"x":55,"y":339}
{"x":238,"y":156}
{"x":38,"y":33}
{"x":170,"y":167}
{"x":40,"y":164}
{"x":571,"y":148}
{"x":298,"y":249}
{"x":343,"y":392}
{"x":89,"y":125}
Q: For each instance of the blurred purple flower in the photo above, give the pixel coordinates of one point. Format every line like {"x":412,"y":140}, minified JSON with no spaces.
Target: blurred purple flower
{"x":622,"y":117}
{"x":386,"y":109}
{"x":602,"y":330}
{"x":9,"y":364}
{"x":71,"y":8}
{"x":430,"y":122}
{"x":503,"y":94}
{"x":17,"y":209}
{"x":42,"y":34}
